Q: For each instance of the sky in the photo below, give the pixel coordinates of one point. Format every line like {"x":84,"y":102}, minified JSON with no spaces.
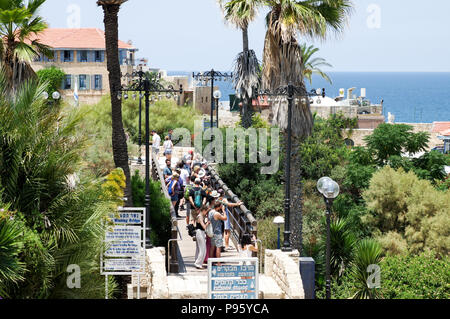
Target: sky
{"x":185,"y":35}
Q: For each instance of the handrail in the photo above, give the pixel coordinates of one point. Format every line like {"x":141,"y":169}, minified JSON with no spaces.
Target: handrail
{"x":245,"y":223}
{"x":158,"y":176}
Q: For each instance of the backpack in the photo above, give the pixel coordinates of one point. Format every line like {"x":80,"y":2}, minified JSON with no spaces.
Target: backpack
{"x":198,"y":198}
{"x":186,"y":192}
{"x":169,"y":188}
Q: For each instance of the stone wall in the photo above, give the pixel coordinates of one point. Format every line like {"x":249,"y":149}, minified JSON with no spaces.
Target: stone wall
{"x":154,"y":282}
{"x":284,"y":268}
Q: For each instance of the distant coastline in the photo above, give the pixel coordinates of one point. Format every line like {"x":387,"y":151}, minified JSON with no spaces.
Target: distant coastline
{"x":413,"y":97}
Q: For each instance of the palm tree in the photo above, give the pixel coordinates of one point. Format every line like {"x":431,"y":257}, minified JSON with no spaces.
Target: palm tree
{"x":312,"y":66}
{"x":246,"y":75}
{"x":119,"y":142}
{"x":19,"y":28}
{"x":282,"y":65}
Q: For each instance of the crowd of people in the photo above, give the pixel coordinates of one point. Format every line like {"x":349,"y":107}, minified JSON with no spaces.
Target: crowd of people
{"x":207,"y":210}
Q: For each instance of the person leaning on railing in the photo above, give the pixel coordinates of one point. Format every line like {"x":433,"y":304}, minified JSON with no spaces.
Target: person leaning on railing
{"x":225,"y":210}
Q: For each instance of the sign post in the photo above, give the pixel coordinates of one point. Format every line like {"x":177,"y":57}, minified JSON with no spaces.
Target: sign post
{"x":236,"y":278}
{"x":124,"y":252}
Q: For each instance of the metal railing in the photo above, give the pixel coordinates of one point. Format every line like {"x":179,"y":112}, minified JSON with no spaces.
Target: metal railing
{"x":157,"y":175}
{"x":241,"y":219}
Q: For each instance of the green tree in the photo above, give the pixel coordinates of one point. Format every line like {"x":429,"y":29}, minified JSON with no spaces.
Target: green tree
{"x":311,"y":65}
{"x":53,"y":76}
{"x":282,"y":65}
{"x":403,"y":206}
{"x":389,"y":140}
{"x":19,"y":28}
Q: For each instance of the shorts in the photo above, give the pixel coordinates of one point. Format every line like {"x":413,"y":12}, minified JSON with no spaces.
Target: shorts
{"x":217,"y":240}
{"x":174,"y":198}
{"x":167,"y":152}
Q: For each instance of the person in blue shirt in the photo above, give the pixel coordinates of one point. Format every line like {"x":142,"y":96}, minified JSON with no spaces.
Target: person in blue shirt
{"x":167,"y":172}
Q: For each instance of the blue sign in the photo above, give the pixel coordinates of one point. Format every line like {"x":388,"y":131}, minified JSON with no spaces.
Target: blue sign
{"x":233,"y":271}
{"x":247,"y":285}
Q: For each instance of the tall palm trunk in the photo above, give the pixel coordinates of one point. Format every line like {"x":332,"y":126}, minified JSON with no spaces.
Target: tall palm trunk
{"x":247,"y":107}
{"x":282,"y":66}
{"x":119,"y":142}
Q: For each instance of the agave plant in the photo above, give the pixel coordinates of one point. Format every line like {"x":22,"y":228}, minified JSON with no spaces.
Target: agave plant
{"x":368,"y":252}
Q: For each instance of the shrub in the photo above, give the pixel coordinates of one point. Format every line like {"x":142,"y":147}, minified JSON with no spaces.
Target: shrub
{"x":53,"y":77}
{"x":160,"y":219}
{"x":413,"y":208}
{"x":415,"y":277}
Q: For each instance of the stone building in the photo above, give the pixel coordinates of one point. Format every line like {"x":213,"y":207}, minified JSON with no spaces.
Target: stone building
{"x":80,"y":53}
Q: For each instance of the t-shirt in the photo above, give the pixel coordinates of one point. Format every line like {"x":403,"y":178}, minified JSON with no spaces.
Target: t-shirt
{"x":156,"y":141}
{"x":192,"y":193}
{"x":168,"y":145}
{"x":184,"y":174}
{"x":167,"y":171}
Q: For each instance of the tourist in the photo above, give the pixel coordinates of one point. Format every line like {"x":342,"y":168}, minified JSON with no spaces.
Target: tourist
{"x":184,"y":176}
{"x":227,"y":225}
{"x":173,"y":188}
{"x":156,"y":143}
{"x":167,"y":172}
{"x":200,"y":226}
{"x":170,"y":134}
{"x":215,"y":216}
{"x":195,"y":171}
{"x":197,"y":198}
{"x":168,"y":147}
{"x":248,"y":246}
{"x":180,"y":192}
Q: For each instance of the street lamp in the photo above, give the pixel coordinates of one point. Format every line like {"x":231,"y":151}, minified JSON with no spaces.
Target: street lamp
{"x":330,"y":190}
{"x":217,"y":95}
{"x":279,"y":220}
{"x":291,"y":92}
{"x":212,"y":76}
{"x":55,"y":96}
{"x":142,"y":82}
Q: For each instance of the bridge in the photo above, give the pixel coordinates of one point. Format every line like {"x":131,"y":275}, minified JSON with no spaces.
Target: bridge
{"x":170,"y":271}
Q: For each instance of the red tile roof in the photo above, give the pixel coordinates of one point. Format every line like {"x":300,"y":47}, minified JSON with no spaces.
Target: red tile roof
{"x":441,"y":127}
{"x":84,"y":38}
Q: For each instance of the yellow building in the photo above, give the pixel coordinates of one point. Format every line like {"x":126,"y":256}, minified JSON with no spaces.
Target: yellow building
{"x":80,"y":53}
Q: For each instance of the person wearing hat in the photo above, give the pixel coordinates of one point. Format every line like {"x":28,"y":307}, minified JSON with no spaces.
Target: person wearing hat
{"x":156,"y":142}
{"x":215,"y":216}
{"x":227,"y":226}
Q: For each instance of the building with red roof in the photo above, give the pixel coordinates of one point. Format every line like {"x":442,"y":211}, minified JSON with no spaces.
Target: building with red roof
{"x":80,"y":53}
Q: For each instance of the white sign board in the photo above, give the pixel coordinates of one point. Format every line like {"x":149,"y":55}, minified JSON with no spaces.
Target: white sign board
{"x":235,"y":278}
{"x":125,"y":243}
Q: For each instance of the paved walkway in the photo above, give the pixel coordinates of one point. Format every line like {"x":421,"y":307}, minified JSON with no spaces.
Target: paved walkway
{"x":187,"y":248}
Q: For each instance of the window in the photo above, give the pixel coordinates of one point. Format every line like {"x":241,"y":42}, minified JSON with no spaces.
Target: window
{"x":98,"y":82}
{"x":83,"y":56}
{"x":67,"y":56}
{"x":83,"y":82}
{"x":67,"y":82}
{"x":99,"y":56}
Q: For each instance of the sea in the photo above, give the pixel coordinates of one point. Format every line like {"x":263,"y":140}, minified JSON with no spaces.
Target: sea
{"x":411,"y":97}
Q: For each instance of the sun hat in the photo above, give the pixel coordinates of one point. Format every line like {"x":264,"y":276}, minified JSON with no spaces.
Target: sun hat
{"x":215,"y":194}
{"x":201,"y":173}
{"x":198,"y":180}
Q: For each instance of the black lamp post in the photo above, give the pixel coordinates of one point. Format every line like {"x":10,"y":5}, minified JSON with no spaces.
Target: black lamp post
{"x":141,"y":82}
{"x":330,"y":190}
{"x":212,"y":76}
{"x":290,"y":91}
